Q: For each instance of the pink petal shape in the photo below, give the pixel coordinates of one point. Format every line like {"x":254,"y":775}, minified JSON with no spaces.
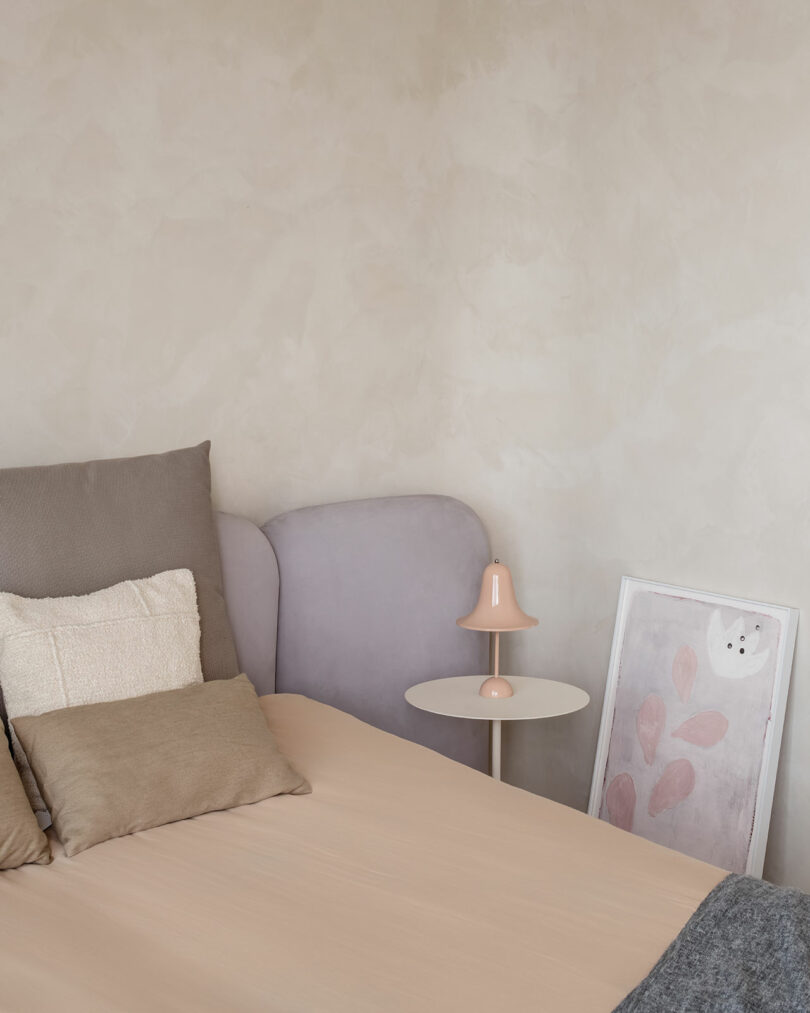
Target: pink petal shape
{"x":704,"y":729}
{"x":650,"y":721}
{"x":675,"y":784}
{"x":684,"y":670}
{"x":620,"y":798}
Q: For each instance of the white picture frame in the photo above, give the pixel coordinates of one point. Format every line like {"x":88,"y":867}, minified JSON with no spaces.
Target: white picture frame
{"x":649,"y":702}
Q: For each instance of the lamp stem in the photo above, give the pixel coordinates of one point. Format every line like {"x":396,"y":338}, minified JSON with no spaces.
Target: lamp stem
{"x":497,"y":653}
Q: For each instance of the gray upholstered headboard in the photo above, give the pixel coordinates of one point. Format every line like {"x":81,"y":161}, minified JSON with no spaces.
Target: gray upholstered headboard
{"x":250,"y":576}
{"x":369,"y":594}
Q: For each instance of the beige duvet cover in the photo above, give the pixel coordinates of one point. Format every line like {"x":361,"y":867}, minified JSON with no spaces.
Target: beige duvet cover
{"x":403,"y":882}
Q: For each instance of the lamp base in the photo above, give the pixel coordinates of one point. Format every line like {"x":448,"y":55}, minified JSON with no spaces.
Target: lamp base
{"x":495,"y":688}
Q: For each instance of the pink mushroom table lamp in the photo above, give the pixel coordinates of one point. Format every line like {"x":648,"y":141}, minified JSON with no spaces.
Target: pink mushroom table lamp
{"x":497,"y":612}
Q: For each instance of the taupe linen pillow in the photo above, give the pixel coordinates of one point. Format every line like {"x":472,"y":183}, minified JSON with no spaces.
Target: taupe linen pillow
{"x":21,"y":840}
{"x":70,"y":529}
{"x":109,"y":769}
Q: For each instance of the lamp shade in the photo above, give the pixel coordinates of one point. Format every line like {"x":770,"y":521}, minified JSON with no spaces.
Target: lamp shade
{"x":497,"y":610}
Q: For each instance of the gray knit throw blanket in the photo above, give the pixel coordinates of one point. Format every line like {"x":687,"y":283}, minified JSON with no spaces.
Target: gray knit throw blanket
{"x":745,"y":950}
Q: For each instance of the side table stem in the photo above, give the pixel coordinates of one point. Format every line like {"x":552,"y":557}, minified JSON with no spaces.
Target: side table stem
{"x":495,"y":756}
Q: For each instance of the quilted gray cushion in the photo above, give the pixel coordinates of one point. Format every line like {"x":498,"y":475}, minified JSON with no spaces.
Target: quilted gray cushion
{"x":370,"y":594}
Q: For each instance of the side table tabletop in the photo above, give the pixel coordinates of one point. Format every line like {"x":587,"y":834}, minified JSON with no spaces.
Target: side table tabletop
{"x":458,"y":697}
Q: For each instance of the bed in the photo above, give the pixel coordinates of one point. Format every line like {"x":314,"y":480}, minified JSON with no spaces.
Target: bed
{"x":405,"y":881}
{"x":408,"y":879}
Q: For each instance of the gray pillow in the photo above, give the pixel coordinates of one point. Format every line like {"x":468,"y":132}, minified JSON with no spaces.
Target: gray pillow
{"x":70,"y":529}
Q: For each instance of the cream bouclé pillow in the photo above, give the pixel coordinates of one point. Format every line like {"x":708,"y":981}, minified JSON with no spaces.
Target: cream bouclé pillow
{"x":137,"y":637}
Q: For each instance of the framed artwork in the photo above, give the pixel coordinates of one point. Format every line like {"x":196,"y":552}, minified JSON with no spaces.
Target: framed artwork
{"x":692,"y":721}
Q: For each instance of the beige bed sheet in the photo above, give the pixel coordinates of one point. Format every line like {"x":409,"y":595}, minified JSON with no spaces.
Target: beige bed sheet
{"x":403,"y":882}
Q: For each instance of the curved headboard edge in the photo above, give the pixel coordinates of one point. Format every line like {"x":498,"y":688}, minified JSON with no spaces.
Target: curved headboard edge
{"x":250,"y":578}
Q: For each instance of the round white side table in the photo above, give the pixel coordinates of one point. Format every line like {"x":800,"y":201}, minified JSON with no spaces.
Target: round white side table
{"x":533,"y":698}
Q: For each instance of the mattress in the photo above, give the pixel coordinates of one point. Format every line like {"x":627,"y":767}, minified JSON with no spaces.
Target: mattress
{"x":405,"y":881}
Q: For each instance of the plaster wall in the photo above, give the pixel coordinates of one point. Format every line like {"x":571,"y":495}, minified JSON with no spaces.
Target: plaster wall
{"x":551,"y":258}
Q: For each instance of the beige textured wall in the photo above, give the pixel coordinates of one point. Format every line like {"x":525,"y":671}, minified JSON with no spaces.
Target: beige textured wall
{"x":549,"y":257}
